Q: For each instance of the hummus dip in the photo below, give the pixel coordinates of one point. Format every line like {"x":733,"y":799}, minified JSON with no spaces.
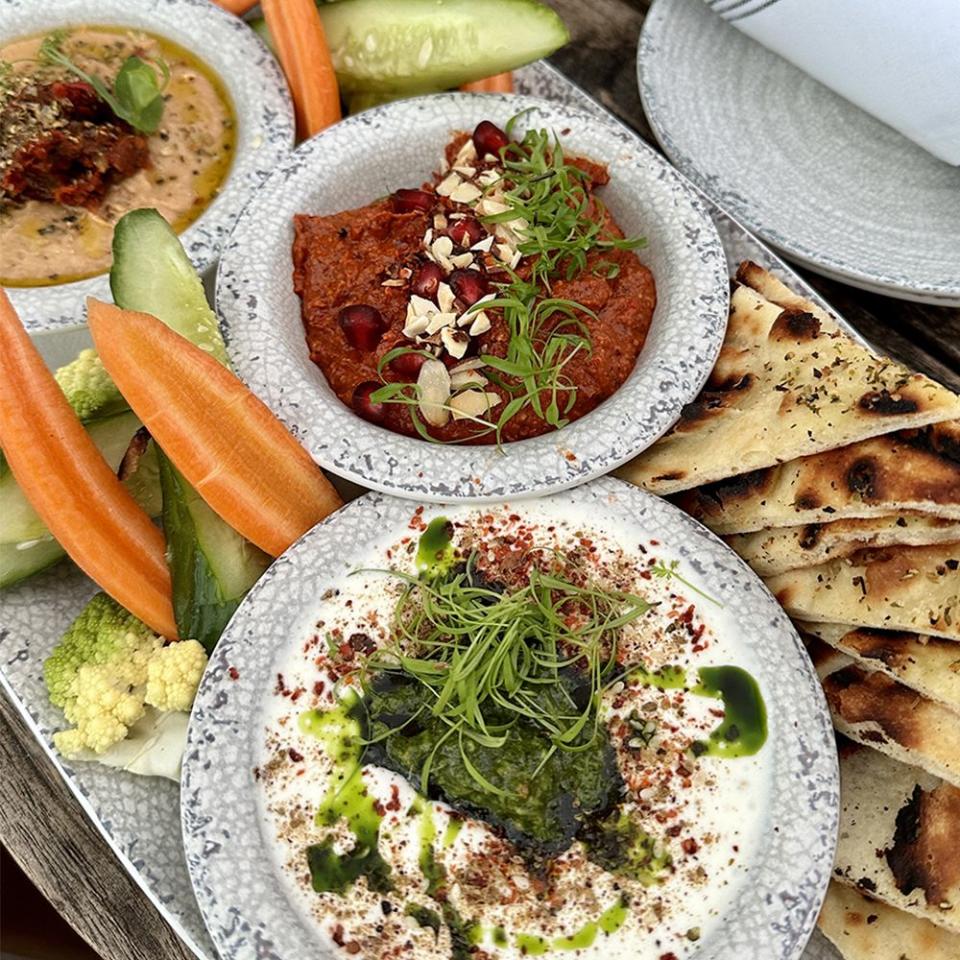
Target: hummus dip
{"x":653,"y":826}
{"x":186,"y":161}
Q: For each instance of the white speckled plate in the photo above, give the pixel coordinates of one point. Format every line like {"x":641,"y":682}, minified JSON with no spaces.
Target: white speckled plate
{"x":399,"y":145}
{"x":238,"y":883}
{"x":814,"y":175}
{"x":256,"y":86}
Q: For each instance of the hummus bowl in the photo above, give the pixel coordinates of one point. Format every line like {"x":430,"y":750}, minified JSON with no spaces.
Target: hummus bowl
{"x":399,"y":145}
{"x":737,"y":837}
{"x":223,"y":60}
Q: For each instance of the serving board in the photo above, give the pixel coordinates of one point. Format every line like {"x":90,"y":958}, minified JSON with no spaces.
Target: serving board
{"x":139,"y":817}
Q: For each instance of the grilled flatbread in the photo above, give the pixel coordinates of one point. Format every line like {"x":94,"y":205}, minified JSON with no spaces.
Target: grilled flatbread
{"x":771,"y":288}
{"x":925,"y":664}
{"x":779,"y":549}
{"x":787,"y":384}
{"x":917,"y":470}
{"x":896,"y":588}
{"x":899,"y":834}
{"x":865,"y":929}
{"x":878,"y":712}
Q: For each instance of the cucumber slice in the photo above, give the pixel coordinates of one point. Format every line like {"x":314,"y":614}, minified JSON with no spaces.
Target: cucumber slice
{"x":152,"y":273}
{"x":382,"y":46}
{"x":26,"y":546}
{"x":211,"y":565}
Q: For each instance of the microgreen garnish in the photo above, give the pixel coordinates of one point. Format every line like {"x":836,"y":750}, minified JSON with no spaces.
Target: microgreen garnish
{"x":665,"y":572}
{"x":487,"y":659}
{"x":137,"y":94}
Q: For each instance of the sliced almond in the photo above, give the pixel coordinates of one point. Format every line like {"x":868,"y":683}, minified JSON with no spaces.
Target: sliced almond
{"x":488,"y":207}
{"x":488,"y":178}
{"x":466,"y":154}
{"x":415,"y":327}
{"x":421,"y":306}
{"x":473,"y":403}
{"x":505,"y":252}
{"x":439,"y":221}
{"x":474,"y":363}
{"x":393,"y":283}
{"x":466,"y":172}
{"x":445,"y":297}
{"x":434,"y":388}
{"x":441,"y":320}
{"x":456,"y":341}
{"x":481,"y":324}
{"x":466,"y":193}
{"x":448,"y":184}
{"x":442,"y":247}
{"x":462,"y":260}
{"x":467,"y":378}
{"x":484,"y":245}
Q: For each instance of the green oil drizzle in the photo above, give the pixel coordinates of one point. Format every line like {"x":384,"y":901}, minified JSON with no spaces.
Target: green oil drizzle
{"x":431,"y":869}
{"x":435,"y":550}
{"x":347,"y":798}
{"x":451,"y":833}
{"x":743,"y":730}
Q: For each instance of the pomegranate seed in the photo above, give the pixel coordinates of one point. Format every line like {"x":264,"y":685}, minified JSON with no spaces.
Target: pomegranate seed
{"x":362,"y":404}
{"x":362,"y":325}
{"x":466,"y":232}
{"x":410,"y":201}
{"x":407,"y":365}
{"x":468,"y":285}
{"x":426,"y":280}
{"x":489,"y":138}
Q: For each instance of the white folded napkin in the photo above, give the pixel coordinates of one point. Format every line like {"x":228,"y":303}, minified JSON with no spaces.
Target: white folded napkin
{"x":896,"y":59}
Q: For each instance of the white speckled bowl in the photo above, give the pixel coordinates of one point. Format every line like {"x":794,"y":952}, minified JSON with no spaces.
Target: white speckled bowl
{"x":398,"y":145}
{"x":265,"y":128}
{"x":239,"y":885}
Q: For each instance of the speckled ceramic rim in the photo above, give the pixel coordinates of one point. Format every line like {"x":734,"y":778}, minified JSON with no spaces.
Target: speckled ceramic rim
{"x":369,"y":155}
{"x":234,"y":874}
{"x":265,"y":128}
{"x":660,"y":80}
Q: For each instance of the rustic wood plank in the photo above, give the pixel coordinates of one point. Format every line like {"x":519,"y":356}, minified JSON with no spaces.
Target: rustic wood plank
{"x":48,"y":834}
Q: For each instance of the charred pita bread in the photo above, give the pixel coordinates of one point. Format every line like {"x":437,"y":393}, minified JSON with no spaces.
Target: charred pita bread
{"x":779,"y":549}
{"x":771,"y":288}
{"x":875,"y":710}
{"x":865,"y":929}
{"x":899,"y":833}
{"x":916,"y":470}
{"x":926,"y":664}
{"x":895,"y":588}
{"x":787,"y":384}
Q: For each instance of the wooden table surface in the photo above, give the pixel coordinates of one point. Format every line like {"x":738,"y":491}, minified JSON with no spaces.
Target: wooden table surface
{"x":41,"y":823}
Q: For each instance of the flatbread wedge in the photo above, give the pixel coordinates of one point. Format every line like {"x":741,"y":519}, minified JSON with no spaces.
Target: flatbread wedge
{"x":896,"y":588}
{"x":926,"y":664}
{"x":916,"y":470}
{"x":779,"y":549}
{"x":787,"y":384}
{"x":899,"y":833}
{"x":865,"y":929}
{"x":875,"y":710}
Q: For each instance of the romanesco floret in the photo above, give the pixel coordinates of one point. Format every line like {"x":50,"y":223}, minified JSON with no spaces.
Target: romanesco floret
{"x":88,"y":387}
{"x":103,"y":675}
{"x":173,"y":675}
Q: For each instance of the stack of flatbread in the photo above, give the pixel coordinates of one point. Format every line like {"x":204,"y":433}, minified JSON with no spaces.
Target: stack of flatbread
{"x":836,"y":475}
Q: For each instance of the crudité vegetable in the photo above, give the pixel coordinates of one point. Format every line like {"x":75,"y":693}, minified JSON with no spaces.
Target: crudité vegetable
{"x":301,"y":46}
{"x":420,"y":46}
{"x":499,"y":83}
{"x":137,"y":94}
{"x":212,"y":566}
{"x":71,"y":486}
{"x":125,"y":692}
{"x":224,"y":440}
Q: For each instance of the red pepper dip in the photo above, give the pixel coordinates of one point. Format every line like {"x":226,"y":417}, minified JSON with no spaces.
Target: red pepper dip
{"x":393,"y":294}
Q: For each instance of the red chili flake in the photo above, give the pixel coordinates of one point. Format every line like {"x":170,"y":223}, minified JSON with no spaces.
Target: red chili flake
{"x":668,"y":956}
{"x":654,"y":543}
{"x":394,"y":802}
{"x":690,"y":846}
{"x":319,"y":687}
{"x":674,"y":831}
{"x":295,"y":755}
{"x":337,"y":934}
{"x":295,"y":696}
{"x":233,"y":673}
{"x":379,"y":808}
{"x":352,"y":947}
{"x":256,"y":773}
{"x":280,"y":687}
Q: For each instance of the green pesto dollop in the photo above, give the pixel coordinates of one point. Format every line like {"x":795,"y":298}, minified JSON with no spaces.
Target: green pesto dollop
{"x":435,"y":548}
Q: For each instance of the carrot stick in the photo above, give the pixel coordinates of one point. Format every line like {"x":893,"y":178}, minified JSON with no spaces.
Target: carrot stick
{"x":499,"y":83}
{"x":239,"y":7}
{"x":71,"y":486}
{"x":301,"y":45}
{"x":225,"y":441}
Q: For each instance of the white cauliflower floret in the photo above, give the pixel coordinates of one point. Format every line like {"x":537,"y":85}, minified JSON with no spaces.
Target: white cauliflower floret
{"x":173,"y":675}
